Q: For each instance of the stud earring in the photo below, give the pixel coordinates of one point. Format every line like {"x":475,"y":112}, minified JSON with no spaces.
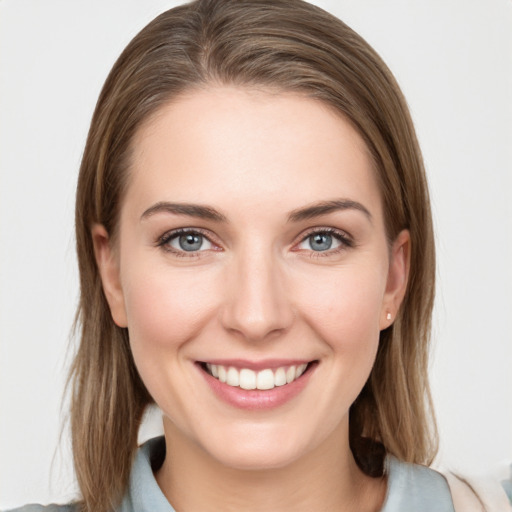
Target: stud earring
{"x":388,"y":316}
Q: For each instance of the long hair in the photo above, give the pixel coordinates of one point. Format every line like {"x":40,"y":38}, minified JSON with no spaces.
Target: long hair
{"x":278,"y":45}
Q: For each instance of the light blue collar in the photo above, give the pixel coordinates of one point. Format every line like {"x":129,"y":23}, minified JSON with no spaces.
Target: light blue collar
{"x":410,"y":487}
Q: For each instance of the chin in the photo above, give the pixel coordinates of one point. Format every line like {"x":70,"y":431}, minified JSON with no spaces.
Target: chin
{"x":261,"y":459}
{"x":258,"y":449}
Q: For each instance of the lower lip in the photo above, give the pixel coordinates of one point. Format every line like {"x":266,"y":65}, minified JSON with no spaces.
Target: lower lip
{"x":256,"y":399}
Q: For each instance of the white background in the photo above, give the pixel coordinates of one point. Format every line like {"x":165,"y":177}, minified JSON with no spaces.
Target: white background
{"x":453,"y":59}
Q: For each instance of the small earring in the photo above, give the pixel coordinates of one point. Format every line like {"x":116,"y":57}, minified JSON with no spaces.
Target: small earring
{"x":388,"y":316}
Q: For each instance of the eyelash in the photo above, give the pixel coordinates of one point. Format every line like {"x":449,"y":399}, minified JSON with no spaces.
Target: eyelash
{"x":164,"y":240}
{"x":346,"y":241}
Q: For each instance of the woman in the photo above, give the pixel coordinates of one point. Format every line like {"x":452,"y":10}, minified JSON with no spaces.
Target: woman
{"x":256,"y":257}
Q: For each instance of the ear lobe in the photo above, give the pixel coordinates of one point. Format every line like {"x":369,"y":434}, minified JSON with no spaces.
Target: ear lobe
{"x":398,"y":276}
{"x":108,"y":266}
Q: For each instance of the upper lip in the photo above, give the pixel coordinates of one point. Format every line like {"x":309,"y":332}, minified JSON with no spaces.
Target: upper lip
{"x":272,"y":364}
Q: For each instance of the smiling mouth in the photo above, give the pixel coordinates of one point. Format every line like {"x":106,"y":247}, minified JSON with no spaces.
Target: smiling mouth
{"x":248,"y":379}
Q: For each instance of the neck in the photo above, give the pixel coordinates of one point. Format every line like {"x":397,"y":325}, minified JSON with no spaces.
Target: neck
{"x":327,"y":478}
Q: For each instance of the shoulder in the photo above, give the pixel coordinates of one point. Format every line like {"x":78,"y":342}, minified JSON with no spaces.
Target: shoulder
{"x":478,"y":494}
{"x":46,"y":508}
{"x":415,"y":487}
{"x":423,"y":489}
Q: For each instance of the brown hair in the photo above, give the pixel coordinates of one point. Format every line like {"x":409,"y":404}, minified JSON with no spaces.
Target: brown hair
{"x":283,"y":45}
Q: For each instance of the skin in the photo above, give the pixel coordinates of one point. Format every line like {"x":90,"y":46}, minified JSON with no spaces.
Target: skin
{"x":256,"y":290}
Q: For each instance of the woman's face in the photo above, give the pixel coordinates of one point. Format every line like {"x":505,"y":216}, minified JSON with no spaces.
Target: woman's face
{"x":252,"y":247}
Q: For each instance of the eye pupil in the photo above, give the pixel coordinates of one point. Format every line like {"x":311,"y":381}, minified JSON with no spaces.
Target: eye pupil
{"x":320,"y":242}
{"x":191,"y":242}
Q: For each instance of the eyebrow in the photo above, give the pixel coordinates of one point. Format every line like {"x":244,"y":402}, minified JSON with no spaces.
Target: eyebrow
{"x":300,"y":214}
{"x":326,"y":207}
{"x":191,"y":210}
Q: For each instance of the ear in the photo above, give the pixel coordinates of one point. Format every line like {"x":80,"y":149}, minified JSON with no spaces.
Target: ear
{"x":108,"y":265}
{"x":398,"y":275}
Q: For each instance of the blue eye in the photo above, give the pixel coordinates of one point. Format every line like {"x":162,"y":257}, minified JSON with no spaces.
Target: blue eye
{"x":323,"y":241}
{"x":320,"y":241}
{"x":186,"y":241}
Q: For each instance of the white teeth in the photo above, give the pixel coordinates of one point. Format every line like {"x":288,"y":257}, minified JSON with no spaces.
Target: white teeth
{"x":232,"y":377}
{"x":265,"y":379}
{"x":300,"y":370}
{"x":280,"y":377}
{"x":249,"y":379}
{"x":290,"y":374}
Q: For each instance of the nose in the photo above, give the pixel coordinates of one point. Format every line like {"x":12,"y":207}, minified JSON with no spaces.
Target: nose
{"x":256,"y":306}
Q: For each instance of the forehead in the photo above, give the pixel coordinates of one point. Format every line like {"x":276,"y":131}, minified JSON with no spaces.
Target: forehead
{"x":255,"y":146}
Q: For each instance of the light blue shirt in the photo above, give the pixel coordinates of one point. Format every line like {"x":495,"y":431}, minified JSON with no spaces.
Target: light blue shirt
{"x":410,"y":487}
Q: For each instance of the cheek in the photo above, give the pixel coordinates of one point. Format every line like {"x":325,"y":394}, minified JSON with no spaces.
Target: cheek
{"x":344,"y":304}
{"x":166,"y":307}
{"x":342,"y":308}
